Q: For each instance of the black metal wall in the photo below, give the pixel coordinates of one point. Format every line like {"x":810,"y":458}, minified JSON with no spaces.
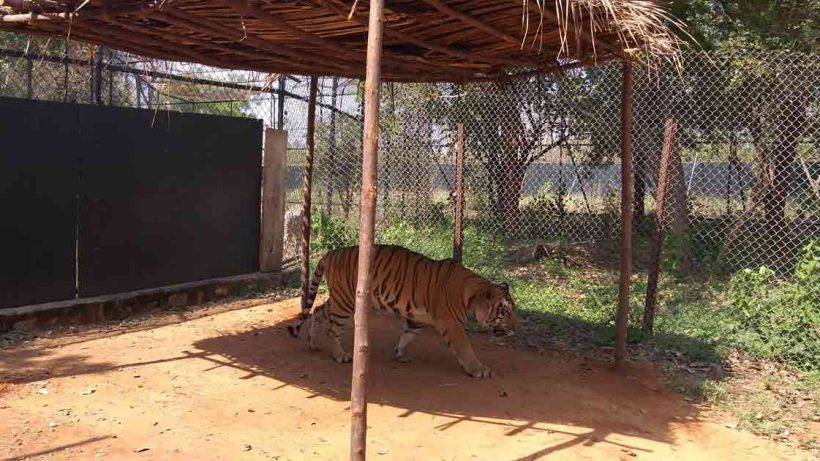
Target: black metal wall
{"x":38,"y":184}
{"x":147,"y":198}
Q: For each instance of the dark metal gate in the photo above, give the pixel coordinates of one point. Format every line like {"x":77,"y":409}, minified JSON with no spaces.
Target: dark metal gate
{"x":38,"y":184}
{"x":129,"y":198}
{"x":166,"y":198}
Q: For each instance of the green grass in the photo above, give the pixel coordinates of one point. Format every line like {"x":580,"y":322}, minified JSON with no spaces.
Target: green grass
{"x":701,"y":318}
{"x":562,"y":300}
{"x":700,"y":321}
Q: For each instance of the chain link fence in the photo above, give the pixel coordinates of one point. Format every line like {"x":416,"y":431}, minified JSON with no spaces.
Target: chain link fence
{"x":740,"y":177}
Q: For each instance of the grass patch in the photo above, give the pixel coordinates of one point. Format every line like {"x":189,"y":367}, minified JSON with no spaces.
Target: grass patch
{"x":703,"y":325}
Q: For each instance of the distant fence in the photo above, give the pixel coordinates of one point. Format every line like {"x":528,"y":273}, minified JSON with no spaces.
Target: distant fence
{"x":541,"y":170}
{"x":744,"y":188}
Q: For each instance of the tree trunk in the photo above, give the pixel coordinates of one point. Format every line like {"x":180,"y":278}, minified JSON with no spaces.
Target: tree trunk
{"x":789,"y":127}
{"x":646,"y":153}
{"x":639,"y":191}
{"x":510,"y":187}
{"x":678,"y":214}
{"x":761,"y":171}
{"x":647,"y":140}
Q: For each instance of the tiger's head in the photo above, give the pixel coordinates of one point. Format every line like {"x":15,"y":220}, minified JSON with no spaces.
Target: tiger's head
{"x":496,"y":310}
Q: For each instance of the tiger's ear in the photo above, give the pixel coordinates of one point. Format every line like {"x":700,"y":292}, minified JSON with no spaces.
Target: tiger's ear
{"x":505,"y":286}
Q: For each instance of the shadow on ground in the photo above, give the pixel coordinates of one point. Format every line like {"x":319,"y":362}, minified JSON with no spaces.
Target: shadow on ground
{"x":532,"y":392}
{"x":528,"y":390}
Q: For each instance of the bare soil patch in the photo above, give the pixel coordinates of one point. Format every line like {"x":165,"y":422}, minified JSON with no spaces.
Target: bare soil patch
{"x":234,"y":385}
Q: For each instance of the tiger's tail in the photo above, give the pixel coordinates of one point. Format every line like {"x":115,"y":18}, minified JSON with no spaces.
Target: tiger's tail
{"x":307,"y":302}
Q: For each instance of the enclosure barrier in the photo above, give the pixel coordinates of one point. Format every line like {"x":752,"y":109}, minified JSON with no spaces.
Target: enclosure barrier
{"x":541,"y":170}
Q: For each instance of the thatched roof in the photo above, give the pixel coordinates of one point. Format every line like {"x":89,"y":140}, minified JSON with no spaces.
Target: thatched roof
{"x":424,"y":40}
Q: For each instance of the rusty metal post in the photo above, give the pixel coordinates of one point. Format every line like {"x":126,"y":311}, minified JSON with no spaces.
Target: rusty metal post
{"x":622,"y":322}
{"x":29,"y":75}
{"x":306,"y":187}
{"x":367,"y":220}
{"x":67,"y":55}
{"x":96,"y":77}
{"x":660,"y":210}
{"x":138,"y":87}
{"x":280,"y":109}
{"x":458,"y":231}
{"x":110,"y":56}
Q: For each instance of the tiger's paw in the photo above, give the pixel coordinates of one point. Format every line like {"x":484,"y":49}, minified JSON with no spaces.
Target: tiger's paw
{"x":403,"y":359}
{"x":480,"y":372}
{"x":344,"y":358}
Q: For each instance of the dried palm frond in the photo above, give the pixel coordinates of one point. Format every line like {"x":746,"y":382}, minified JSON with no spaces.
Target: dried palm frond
{"x":644,"y":30}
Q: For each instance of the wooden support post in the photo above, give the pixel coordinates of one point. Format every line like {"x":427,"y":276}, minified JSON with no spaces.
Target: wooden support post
{"x":274,"y":190}
{"x":307,"y":186}
{"x":367,"y":220}
{"x":458,"y":231}
{"x":660,"y":210}
{"x":622,"y":322}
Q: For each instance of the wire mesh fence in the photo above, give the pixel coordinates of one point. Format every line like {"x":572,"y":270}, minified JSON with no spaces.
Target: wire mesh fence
{"x":542,"y":177}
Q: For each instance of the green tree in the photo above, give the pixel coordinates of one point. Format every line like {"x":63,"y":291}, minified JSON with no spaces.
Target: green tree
{"x":743,"y":25}
{"x":510,"y":125}
{"x":339,"y":174}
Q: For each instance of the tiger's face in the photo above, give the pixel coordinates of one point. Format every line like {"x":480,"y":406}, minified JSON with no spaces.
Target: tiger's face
{"x":499,"y":311}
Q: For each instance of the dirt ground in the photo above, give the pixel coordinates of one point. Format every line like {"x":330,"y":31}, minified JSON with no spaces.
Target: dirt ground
{"x":234,"y":386}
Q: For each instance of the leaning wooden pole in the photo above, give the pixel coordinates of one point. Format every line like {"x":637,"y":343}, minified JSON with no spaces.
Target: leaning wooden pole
{"x":626,"y":216}
{"x":307,"y":185}
{"x":367,"y":219}
{"x":660,"y":212}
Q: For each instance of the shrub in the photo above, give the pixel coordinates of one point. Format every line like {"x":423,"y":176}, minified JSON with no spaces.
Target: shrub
{"x":780,"y":320}
{"x":330,"y":232}
{"x":545,"y":216}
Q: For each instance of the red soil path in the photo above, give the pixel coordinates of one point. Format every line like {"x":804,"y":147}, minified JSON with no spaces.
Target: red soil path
{"x":235,"y":386}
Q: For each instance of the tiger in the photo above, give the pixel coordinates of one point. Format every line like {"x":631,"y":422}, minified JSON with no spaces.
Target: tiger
{"x":425,"y":292}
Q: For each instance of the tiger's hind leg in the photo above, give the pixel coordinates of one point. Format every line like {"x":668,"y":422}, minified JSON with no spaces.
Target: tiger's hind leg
{"x":319,"y":317}
{"x":408,"y":334}
{"x":337,"y":321}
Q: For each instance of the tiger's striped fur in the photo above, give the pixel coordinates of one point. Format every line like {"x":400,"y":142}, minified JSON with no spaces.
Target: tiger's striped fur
{"x":423,"y":291}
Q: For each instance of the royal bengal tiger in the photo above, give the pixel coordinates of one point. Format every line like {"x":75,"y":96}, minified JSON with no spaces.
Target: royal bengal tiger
{"x":424,"y":291}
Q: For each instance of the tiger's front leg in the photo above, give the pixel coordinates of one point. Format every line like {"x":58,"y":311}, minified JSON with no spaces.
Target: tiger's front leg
{"x":458,"y":342}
